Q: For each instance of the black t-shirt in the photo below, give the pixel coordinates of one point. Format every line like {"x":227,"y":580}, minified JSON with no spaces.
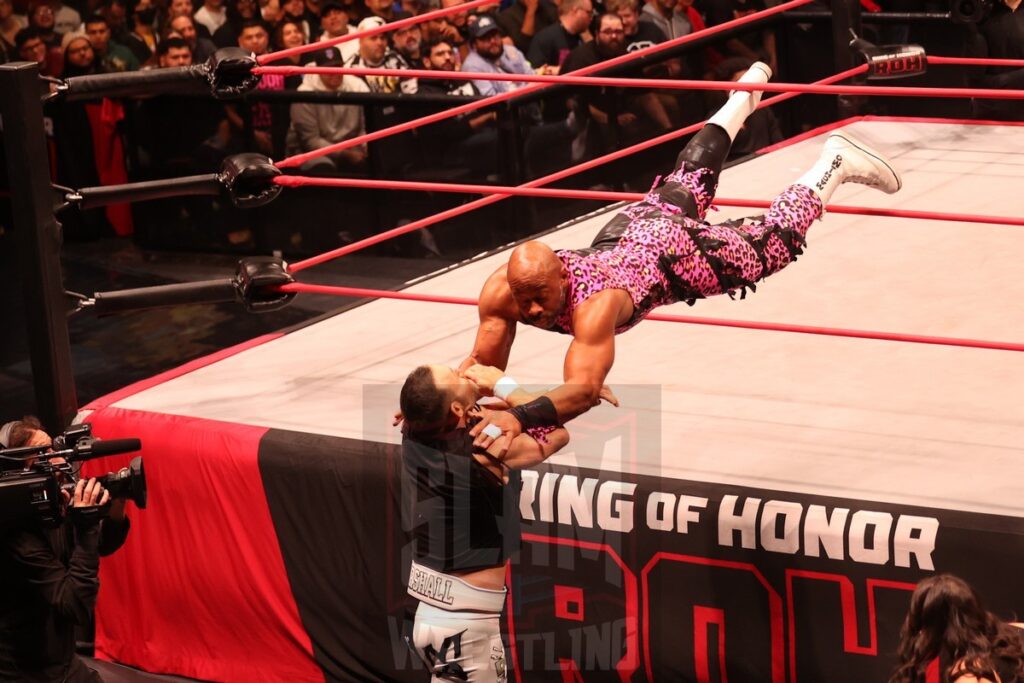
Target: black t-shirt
{"x":551,"y":46}
{"x":647,"y":34}
{"x":1001,"y":36}
{"x":462,"y":516}
{"x":583,"y":56}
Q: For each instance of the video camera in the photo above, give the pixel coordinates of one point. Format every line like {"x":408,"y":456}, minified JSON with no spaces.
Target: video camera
{"x":35,"y":491}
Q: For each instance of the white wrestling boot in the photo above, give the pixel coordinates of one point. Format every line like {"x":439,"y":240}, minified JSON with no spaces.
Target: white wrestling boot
{"x":845,"y":159}
{"x":741,"y":103}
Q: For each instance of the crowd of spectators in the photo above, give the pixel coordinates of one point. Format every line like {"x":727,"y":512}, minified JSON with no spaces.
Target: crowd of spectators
{"x":163,"y":137}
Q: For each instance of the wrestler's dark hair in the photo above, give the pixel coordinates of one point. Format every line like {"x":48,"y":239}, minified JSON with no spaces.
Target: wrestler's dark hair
{"x":947,"y":620}
{"x":22,"y":430}
{"x":172,"y":43}
{"x":424,"y":404}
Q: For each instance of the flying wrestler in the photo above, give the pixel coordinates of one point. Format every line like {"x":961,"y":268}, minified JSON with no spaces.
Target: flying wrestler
{"x":462,"y":505}
{"x":655,"y":252}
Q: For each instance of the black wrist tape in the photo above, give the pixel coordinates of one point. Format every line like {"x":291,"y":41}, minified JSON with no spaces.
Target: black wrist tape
{"x":539,"y":412}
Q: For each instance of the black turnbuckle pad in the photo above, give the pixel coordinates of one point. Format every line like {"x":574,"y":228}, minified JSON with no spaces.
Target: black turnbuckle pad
{"x":229,"y":72}
{"x":257,"y":283}
{"x":249,"y":179}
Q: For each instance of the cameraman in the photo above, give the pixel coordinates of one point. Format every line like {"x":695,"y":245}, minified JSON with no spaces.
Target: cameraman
{"x":50,"y":576}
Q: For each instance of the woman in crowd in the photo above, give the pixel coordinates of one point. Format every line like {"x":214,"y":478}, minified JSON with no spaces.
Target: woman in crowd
{"x":42,"y":19}
{"x":947,"y":621}
{"x":288,"y":33}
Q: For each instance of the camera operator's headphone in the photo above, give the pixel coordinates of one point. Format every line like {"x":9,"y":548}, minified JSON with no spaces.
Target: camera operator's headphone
{"x":5,"y":433}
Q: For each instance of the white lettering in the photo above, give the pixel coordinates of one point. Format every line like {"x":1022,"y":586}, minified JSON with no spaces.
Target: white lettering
{"x":878,"y":553}
{"x":729,"y":522}
{"x":576,"y":501}
{"x":528,"y":495}
{"x":687,"y":512}
{"x":660,"y":511}
{"x":820,"y":530}
{"x":547,"y":491}
{"x":915,"y":536}
{"x":789,"y":542}
{"x":614,"y":513}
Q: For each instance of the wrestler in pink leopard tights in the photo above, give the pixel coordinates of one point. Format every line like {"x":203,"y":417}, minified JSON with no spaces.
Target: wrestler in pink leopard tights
{"x":665,"y":255}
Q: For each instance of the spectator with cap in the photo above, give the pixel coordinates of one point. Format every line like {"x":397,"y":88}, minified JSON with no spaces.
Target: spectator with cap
{"x":317,"y":125}
{"x":335,"y":22}
{"x":374,"y":53}
{"x":524,"y":18}
{"x":490,"y":54}
{"x":551,"y":46}
{"x":184,"y":27}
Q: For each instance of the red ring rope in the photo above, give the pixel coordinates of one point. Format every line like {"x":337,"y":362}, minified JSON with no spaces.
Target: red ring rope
{"x":562,"y":193}
{"x":299,"y":159}
{"x":386,"y":28}
{"x":539,"y":182}
{"x":975,"y":61}
{"x":692,"y":320}
{"x":650,"y":83}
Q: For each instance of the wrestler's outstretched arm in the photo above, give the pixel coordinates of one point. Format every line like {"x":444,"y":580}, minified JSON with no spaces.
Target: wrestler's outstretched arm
{"x":497,"y":329}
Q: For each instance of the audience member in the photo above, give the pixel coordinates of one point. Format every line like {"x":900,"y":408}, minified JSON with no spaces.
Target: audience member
{"x":640,"y":35}
{"x":269,"y":123}
{"x":65,"y":19}
{"x":552,"y":45}
{"x":212,"y":22}
{"x":335,"y":22}
{"x":756,"y":44}
{"x":288,"y":34}
{"x":467,"y":141}
{"x":454,"y":28}
{"x":294,"y":11}
{"x":180,"y":8}
{"x":408,"y":42}
{"x":374,"y":53}
{"x":184,"y":27}
{"x":30,"y":47}
{"x":491,"y":54}
{"x":111,"y":56}
{"x":79,"y":58}
{"x":10,"y":24}
{"x":669,"y":19}
{"x":116,"y":14}
{"x":1000,"y":36}
{"x":617,"y":117}
{"x":173,"y":52}
{"x":317,"y":125}
{"x":947,"y":621}
{"x":143,"y":39}
{"x":41,"y":19}
{"x":385,"y":9}
{"x":524,"y":18}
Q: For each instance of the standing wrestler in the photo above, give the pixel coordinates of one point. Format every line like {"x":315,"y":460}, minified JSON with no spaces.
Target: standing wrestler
{"x":654,"y":252}
{"x":462,"y":504}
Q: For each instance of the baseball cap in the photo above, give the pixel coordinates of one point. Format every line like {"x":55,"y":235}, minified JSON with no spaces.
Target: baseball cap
{"x":484,"y":25}
{"x":330,"y":56}
{"x":370,"y":22}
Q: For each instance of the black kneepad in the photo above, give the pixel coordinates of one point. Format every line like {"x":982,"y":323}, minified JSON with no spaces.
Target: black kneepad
{"x":709,"y":148}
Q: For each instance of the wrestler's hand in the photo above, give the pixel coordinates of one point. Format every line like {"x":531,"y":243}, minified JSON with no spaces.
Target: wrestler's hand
{"x":484,"y":377}
{"x":607,"y":395}
{"x":497,"y":420}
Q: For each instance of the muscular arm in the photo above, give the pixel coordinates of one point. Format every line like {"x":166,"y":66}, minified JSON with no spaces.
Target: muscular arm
{"x":497,"y":328}
{"x":588,"y":360}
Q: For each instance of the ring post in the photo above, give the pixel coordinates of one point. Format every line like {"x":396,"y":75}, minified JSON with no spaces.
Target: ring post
{"x":38,"y":241}
{"x":846,"y":22}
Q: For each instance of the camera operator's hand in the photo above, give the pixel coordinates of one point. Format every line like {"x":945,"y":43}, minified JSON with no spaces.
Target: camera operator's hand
{"x":89,"y":493}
